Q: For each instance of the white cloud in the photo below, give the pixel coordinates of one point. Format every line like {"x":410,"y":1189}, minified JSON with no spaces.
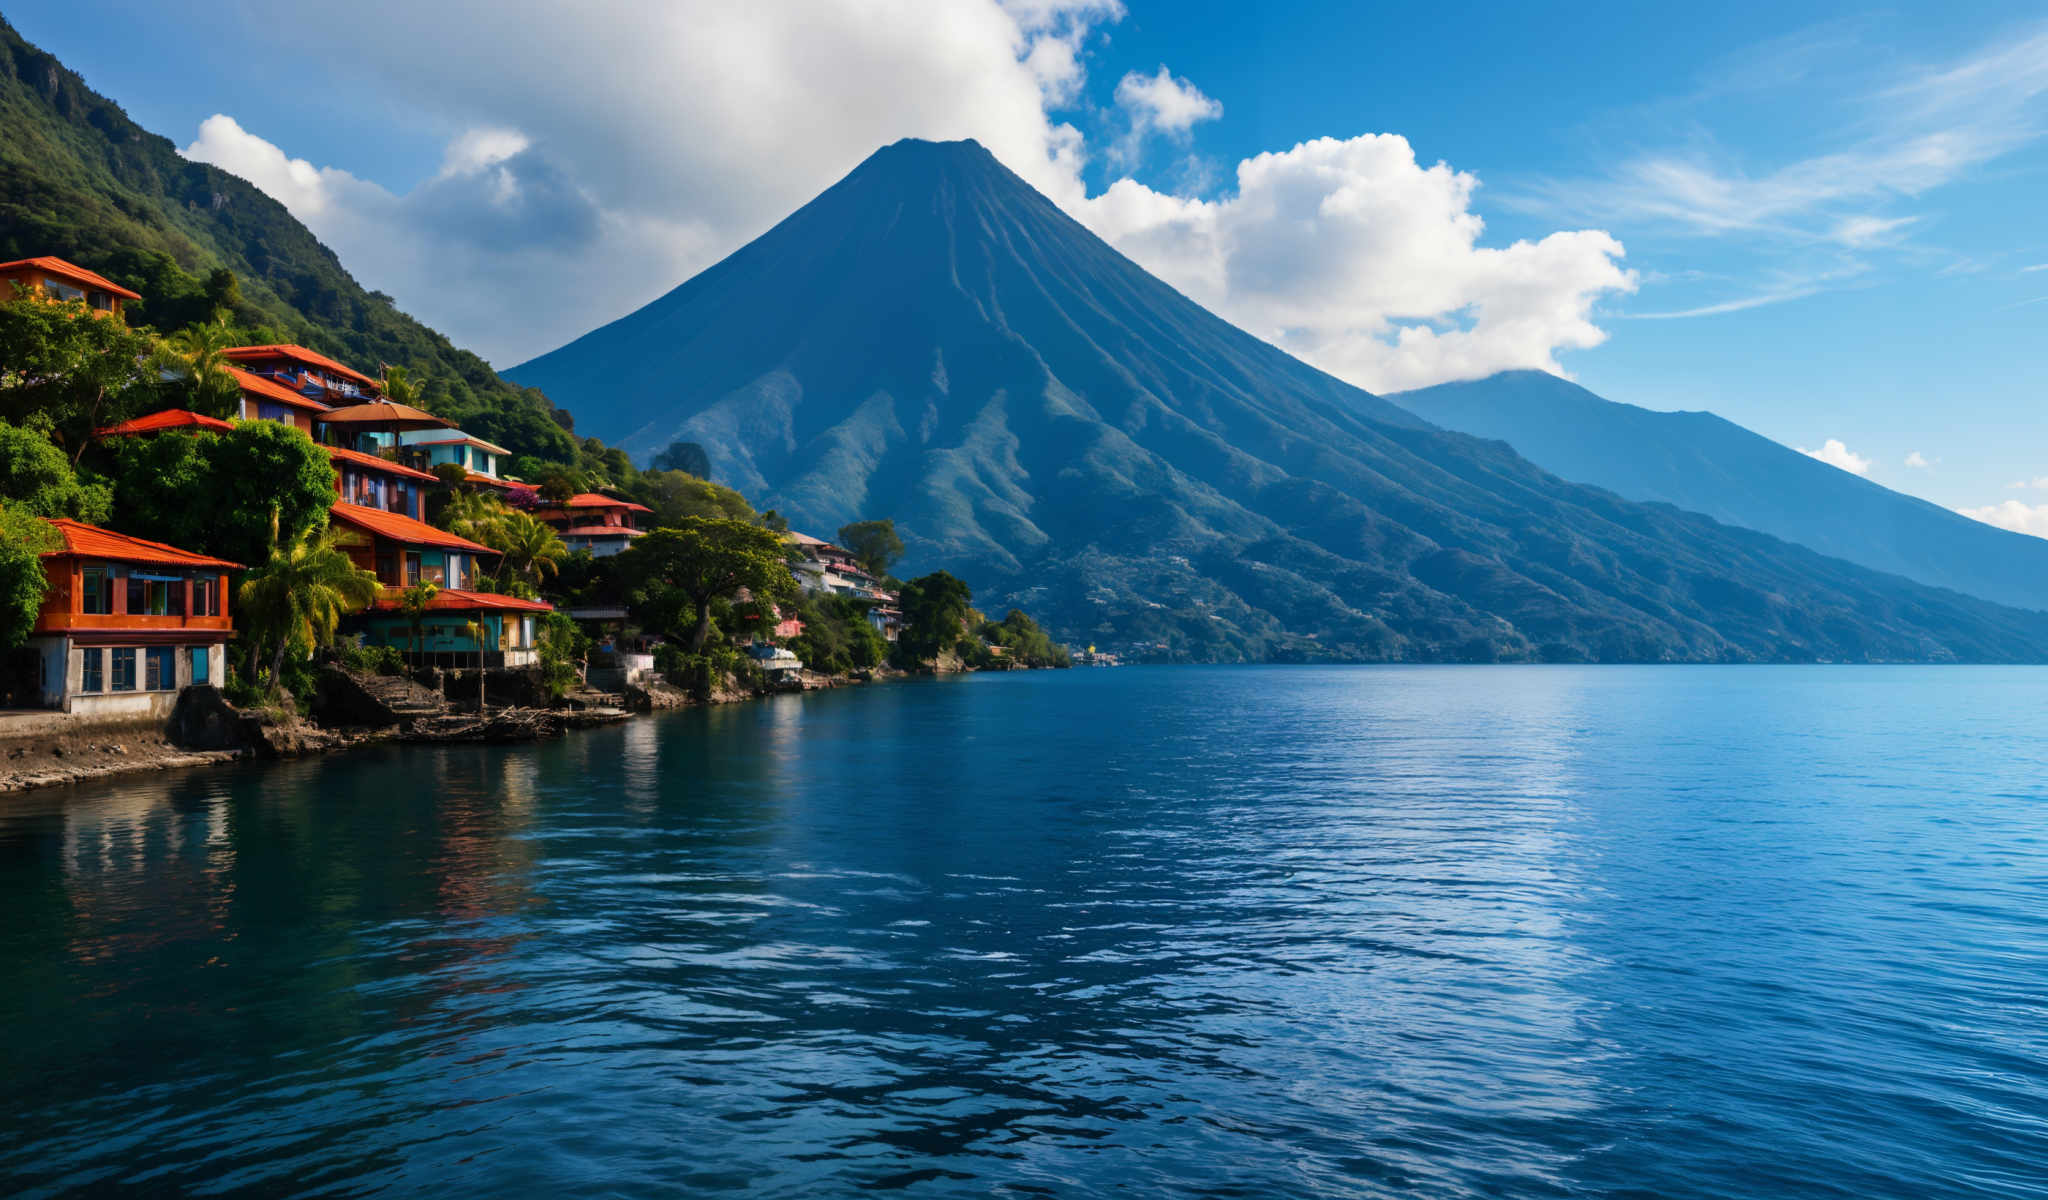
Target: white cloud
{"x":2039,"y":481}
{"x":1356,"y":257}
{"x":1835,"y":454}
{"x":1918,"y":460}
{"x":1163,"y":104}
{"x":2013,"y":515}
{"x":1916,"y":133}
{"x":610,"y":150}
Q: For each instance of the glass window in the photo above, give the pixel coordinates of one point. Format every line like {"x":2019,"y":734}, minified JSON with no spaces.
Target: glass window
{"x":155,"y":597}
{"x":104,"y":301}
{"x":273,"y":412}
{"x":412,"y":569}
{"x":63,"y":291}
{"x":205,"y":598}
{"x":90,"y":665}
{"x":201,"y":662}
{"x":124,"y":670}
{"x":96,"y":591}
{"x":161,"y":665}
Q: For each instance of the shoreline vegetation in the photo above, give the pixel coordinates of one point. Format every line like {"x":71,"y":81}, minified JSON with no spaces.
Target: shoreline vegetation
{"x":308,"y":558}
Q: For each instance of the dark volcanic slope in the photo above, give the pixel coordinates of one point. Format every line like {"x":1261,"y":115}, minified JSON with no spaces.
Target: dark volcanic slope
{"x":932,"y":339}
{"x":1699,"y":461}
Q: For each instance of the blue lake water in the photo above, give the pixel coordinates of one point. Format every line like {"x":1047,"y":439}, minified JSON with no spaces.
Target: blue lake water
{"x":1489,"y":932}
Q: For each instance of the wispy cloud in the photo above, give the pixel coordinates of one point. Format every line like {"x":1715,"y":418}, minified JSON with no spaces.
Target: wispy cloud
{"x":1726,"y":306}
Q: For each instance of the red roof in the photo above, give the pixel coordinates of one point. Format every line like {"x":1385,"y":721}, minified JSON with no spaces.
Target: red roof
{"x":257,"y":385}
{"x":71,"y":271}
{"x":340,"y":455}
{"x":90,"y":541}
{"x":157,"y":422}
{"x":456,"y":600}
{"x":594,"y":500}
{"x":401,"y":528}
{"x":298,"y":354}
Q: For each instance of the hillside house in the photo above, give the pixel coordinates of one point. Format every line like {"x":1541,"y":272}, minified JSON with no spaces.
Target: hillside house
{"x":403,"y":551}
{"x":600,"y":524}
{"x":306,"y":373}
{"x":127,"y":623}
{"x":59,"y":280}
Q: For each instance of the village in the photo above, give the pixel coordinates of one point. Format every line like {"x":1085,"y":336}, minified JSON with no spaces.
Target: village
{"x":431,"y":594}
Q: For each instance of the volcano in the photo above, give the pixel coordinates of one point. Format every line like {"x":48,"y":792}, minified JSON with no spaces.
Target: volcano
{"x":933,"y":340}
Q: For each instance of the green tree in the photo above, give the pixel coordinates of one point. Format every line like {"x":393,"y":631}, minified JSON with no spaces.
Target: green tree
{"x":399,"y":388}
{"x":701,"y":560}
{"x":562,"y":647}
{"x":935,"y":608}
{"x":674,"y":495}
{"x":36,"y":479}
{"x":414,"y":602}
{"x":687,"y":457}
{"x":199,"y":354}
{"x":531,"y":550}
{"x":301,"y":593}
{"x":69,"y":371}
{"x":874,"y":544}
{"x":24,"y":537}
{"x":223,"y":493}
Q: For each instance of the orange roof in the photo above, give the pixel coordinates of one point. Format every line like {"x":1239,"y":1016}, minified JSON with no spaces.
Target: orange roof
{"x":494,"y":481}
{"x":457,"y":600}
{"x":594,"y":500}
{"x":90,"y":541}
{"x":601,"y":531}
{"x":339,"y":454}
{"x":298,"y":354}
{"x":157,"y":422}
{"x":401,"y":528}
{"x":71,"y":271}
{"x":257,"y":385}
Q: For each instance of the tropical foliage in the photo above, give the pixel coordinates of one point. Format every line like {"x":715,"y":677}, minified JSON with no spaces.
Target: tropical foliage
{"x":875,"y":544}
{"x":35,"y":478}
{"x":935,"y":609}
{"x":222,"y":494}
{"x":300,"y":594}
{"x":23,"y":539}
{"x":680,"y":571}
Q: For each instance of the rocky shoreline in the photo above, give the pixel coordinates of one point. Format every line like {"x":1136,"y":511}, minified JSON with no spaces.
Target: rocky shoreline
{"x":45,"y":750}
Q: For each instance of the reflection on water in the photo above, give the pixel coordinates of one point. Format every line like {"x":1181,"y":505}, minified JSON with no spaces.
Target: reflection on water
{"x":1260,"y":932}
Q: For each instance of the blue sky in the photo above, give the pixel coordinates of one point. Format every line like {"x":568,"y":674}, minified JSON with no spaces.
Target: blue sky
{"x":1817,"y":220}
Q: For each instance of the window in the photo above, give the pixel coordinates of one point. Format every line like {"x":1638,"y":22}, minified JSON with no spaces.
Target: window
{"x":63,"y":291}
{"x":89,"y":666}
{"x":434,"y":569}
{"x":96,"y":591}
{"x":412,"y":568}
{"x":273,"y":412}
{"x":155,"y":596}
{"x":200,"y":665}
{"x":161,"y":665}
{"x":205,"y":598}
{"x":124,"y":670}
{"x":104,"y":301}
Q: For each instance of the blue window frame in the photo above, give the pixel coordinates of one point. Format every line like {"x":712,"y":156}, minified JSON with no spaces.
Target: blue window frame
{"x":124,"y":669}
{"x":161,"y":665}
{"x":90,"y":665}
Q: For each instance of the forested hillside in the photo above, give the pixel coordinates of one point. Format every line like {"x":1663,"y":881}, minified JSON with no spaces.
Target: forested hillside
{"x":78,"y":179}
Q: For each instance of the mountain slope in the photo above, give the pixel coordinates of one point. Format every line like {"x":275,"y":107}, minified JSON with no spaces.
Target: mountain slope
{"x":1699,"y":461}
{"x":78,"y":179}
{"x":932,"y":339}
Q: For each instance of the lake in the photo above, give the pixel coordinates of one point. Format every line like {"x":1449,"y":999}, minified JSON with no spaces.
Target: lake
{"x":1348,"y":931}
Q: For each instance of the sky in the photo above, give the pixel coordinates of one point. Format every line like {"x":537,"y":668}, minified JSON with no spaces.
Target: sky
{"x":1822,"y":221}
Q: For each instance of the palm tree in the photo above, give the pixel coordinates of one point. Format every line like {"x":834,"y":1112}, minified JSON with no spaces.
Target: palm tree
{"x":303,"y":591}
{"x":398,"y":388}
{"x":532,"y":551}
{"x":414,"y":602}
{"x":475,"y":516}
{"x":200,"y":353}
